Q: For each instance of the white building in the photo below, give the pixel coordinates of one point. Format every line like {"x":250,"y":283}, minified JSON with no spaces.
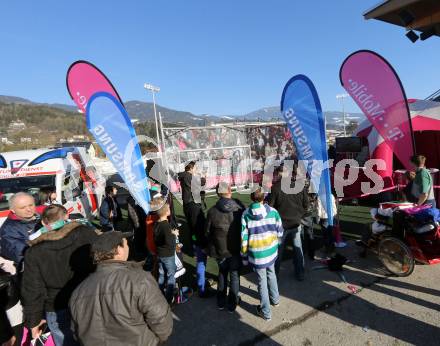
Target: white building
{"x":16,"y":126}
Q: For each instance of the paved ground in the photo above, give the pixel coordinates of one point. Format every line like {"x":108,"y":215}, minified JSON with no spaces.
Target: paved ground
{"x":322,"y":311}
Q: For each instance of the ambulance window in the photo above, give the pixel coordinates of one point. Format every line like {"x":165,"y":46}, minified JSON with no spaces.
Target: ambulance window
{"x":30,"y":184}
{"x":70,"y":189}
{"x":66,"y":186}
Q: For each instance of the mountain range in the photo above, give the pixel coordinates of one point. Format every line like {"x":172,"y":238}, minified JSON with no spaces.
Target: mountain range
{"x":144,"y":111}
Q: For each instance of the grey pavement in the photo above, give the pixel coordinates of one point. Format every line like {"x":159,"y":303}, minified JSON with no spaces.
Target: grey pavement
{"x":322,"y":310}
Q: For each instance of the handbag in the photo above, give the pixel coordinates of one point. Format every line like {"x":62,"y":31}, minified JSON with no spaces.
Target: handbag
{"x":44,"y":339}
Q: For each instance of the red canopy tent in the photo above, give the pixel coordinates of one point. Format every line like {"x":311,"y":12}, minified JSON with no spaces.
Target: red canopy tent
{"x":425,"y":116}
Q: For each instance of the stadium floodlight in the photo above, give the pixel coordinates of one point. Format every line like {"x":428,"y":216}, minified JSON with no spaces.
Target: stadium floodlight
{"x":342,"y":97}
{"x":154,"y":90}
{"x":151,"y":87}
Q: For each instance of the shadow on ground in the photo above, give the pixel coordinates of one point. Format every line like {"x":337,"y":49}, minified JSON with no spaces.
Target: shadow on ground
{"x":389,"y":307}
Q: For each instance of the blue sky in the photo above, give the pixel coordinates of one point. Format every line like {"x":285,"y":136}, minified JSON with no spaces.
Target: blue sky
{"x":217,"y":57}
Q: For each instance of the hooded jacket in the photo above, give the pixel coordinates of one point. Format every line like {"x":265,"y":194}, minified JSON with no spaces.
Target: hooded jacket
{"x":223,"y":227}
{"x":261,"y":230}
{"x":54,"y":264}
{"x":120,"y":304}
{"x":292,"y":207}
{"x":14,"y":234}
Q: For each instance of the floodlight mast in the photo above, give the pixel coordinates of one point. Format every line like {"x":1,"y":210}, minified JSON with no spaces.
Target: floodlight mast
{"x":164,"y":152}
{"x":342,"y":97}
{"x":154,"y":90}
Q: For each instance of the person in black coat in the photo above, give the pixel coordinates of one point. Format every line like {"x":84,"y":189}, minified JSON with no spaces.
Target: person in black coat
{"x":191,"y":186}
{"x":137,"y":218}
{"x":292,"y":208}
{"x":109,"y":212}
{"x":223,"y":230}
{"x":56,"y":262}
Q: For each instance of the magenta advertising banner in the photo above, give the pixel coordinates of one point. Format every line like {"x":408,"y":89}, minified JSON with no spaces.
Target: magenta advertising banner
{"x":376,"y":88}
{"x":84,"y":79}
{"x":110,"y":124}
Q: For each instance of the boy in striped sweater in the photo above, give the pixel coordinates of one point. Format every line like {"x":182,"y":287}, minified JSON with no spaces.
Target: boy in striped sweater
{"x":261,"y":233}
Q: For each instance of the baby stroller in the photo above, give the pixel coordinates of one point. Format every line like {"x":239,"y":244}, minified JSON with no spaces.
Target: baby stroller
{"x":403,"y":235}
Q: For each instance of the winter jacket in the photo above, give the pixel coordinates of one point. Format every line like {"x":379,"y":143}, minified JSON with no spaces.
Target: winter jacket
{"x":109,"y":212}
{"x":14,"y":234}
{"x":261,"y":232}
{"x":223,"y":228}
{"x":164,"y":239}
{"x":138,"y":219}
{"x":195,"y":195}
{"x":291,"y":207}
{"x":54,"y":264}
{"x":120,"y":304}
{"x":132,"y":209}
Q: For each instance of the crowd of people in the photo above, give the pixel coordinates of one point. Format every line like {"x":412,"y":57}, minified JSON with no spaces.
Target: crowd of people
{"x":76,"y":281}
{"x":208,"y":138}
{"x":269,"y":145}
{"x":237,"y":236}
{"x":270,"y":142}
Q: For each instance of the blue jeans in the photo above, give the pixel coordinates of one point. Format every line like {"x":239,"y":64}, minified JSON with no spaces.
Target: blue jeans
{"x":59,"y":325}
{"x":201,"y":258}
{"x":298,"y":256}
{"x":228,"y":267}
{"x":267,"y":288}
{"x":167,"y":268}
